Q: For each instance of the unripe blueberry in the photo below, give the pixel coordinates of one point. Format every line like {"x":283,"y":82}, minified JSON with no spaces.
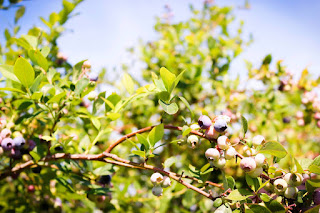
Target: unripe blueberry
{"x":249,"y":151}
{"x":204,"y":122}
{"x":259,"y":158}
{"x":316,"y":197}
{"x":222,"y":142}
{"x":86,"y":64}
{"x":257,"y":140}
{"x":157,"y":191}
{"x":31,"y":188}
{"x":291,"y":192}
{"x":220,"y":125}
{"x":278,"y":173}
{"x":217,"y":202}
{"x":211,"y":133}
{"x":300,"y":122}
{"x":293,"y":179}
{"x":19,"y":142}
{"x":7,"y":144}
{"x":248,"y":164}
{"x":299,"y":114}
{"x":269,"y":187}
{"x":92,"y":95}
{"x":317,"y":115}
{"x":230,"y":153}
{"x":5,"y":133}
{"x":156,"y":178}
{"x":220,"y":163}
{"x":195,"y":126}
{"x":166,"y":182}
{"x":280,"y":186}
{"x":55,"y":106}
{"x":193,"y":140}
{"x":212,"y":154}
{"x":256,"y":173}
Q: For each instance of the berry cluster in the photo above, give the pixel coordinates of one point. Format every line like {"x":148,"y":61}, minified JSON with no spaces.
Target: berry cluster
{"x":159,"y":182}
{"x":16,"y":146}
{"x":311,"y":101}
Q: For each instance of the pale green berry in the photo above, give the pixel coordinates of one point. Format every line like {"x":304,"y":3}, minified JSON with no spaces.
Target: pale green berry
{"x":259,"y":158}
{"x":193,"y":140}
{"x":212,"y":154}
{"x":222,"y":142}
{"x":291,"y":192}
{"x":249,"y":151}
{"x":230,"y":153}
{"x":293,"y":179}
{"x":257,"y":140}
{"x":92,"y":95}
{"x":248,"y":164}
{"x":156,"y":178}
{"x":166,"y":182}
{"x":256,"y":173}
{"x":269,"y":187}
{"x":280,"y":186}
{"x":220,"y":163}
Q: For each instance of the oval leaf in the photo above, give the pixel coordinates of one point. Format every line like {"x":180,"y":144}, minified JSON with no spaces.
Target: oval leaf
{"x":274,"y":148}
{"x":24,"y":72}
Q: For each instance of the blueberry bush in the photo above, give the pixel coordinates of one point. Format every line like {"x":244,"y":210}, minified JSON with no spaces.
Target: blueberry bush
{"x":185,"y":136}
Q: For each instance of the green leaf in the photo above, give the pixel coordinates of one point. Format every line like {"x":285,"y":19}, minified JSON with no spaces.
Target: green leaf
{"x":169,"y":108}
{"x":187,"y":105}
{"x":77,"y":71}
{"x":256,"y":208}
{"x":169,"y":162}
{"x":267,"y":60}
{"x":81,"y":85}
{"x":139,"y":152}
{"x":142,"y":140}
{"x":32,"y":40}
{"x":275,"y":207}
{"x":265,"y":198}
{"x":315,"y":166}
{"x":176,"y":81}
{"x":36,"y":156}
{"x":37,"y":58}
{"x":96,"y":123}
{"x":7,"y":72}
{"x":57,"y":98}
{"x":113,"y":116}
{"x":12,"y":89}
{"x":24,"y":72}
{"x":244,"y":125}
{"x":299,"y":167}
{"x":236,"y":196}
{"x":45,"y":51}
{"x":305,"y":163}
{"x":274,"y":148}
{"x":315,"y":209}
{"x":128,"y":83}
{"x":20,"y":12}
{"x":168,"y":79}
{"x":253,"y":183}
{"x":156,"y":134}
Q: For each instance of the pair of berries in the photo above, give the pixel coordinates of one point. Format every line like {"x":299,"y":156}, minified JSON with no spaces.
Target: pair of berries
{"x":287,"y":185}
{"x":159,"y":181}
{"x":253,"y":165}
{"x":219,"y":125}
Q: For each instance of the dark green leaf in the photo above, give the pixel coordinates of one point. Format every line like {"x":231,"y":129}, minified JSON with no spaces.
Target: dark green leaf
{"x":244,"y":125}
{"x":20,"y":12}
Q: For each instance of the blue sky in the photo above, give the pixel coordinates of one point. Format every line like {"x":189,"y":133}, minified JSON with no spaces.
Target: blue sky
{"x":290,"y":30}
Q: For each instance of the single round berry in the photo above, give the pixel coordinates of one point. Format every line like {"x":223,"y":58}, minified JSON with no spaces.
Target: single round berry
{"x":19,"y":142}
{"x":195,"y":126}
{"x":220,"y":125}
{"x":316,"y":197}
{"x":220,"y":163}
{"x":256,"y":173}
{"x":248,"y":164}
{"x":247,"y":151}
{"x":15,"y":153}
{"x":5,"y":133}
{"x":7,"y":144}
{"x":166,"y":182}
{"x":291,"y":192}
{"x":293,"y":179}
{"x":31,"y":188}
{"x":156,"y":178}
{"x":32,"y":145}
{"x":36,"y":169}
{"x":157,"y":191}
{"x":286,"y":120}
{"x":230,"y":153}
{"x":257,"y":140}
{"x":193,"y":140}
{"x":211,"y":133}
{"x":204,"y":122}
{"x":92,"y":95}
{"x":280,"y":186}
{"x":94,"y":78}
{"x":259,"y":158}
{"x":105,"y":179}
{"x":86,"y":64}
{"x":222,"y":142}
{"x":269,"y":187}
{"x":212,"y":154}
